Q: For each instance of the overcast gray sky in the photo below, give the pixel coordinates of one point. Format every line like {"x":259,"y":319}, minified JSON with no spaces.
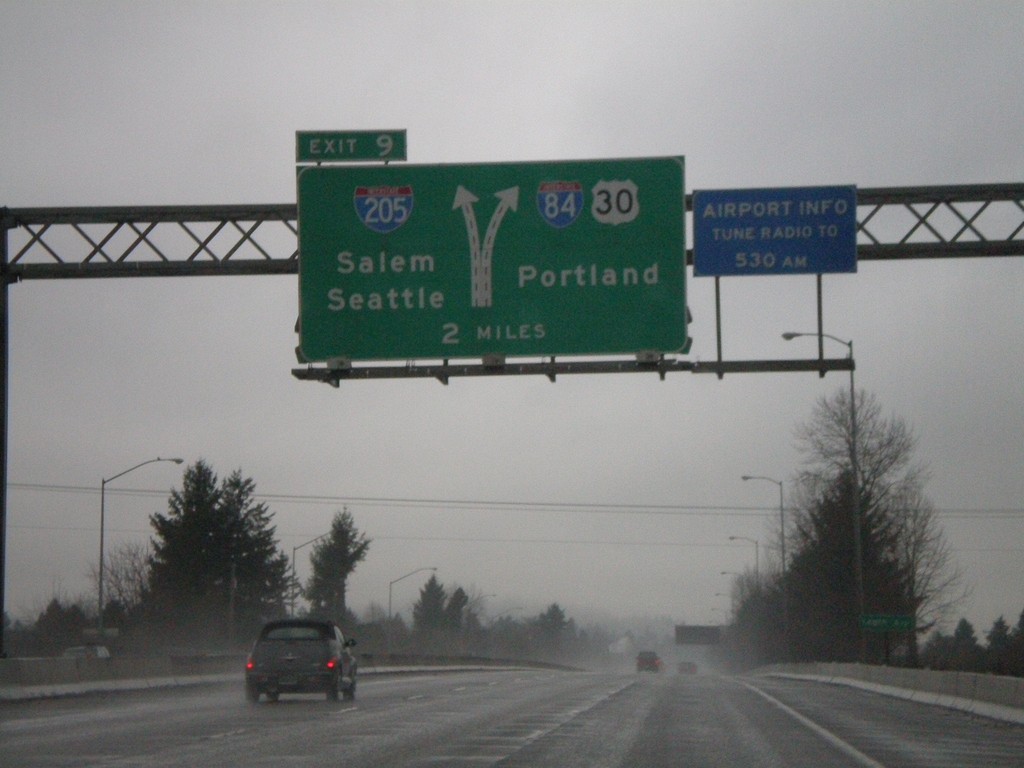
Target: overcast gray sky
{"x":132,"y":103}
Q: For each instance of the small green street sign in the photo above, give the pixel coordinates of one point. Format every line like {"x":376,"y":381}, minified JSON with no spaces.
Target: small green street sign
{"x":348,"y":146}
{"x":514,"y":259}
{"x":880,"y":622}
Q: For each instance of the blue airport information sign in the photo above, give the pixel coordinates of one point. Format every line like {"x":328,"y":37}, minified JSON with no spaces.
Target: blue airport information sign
{"x":781,"y":231}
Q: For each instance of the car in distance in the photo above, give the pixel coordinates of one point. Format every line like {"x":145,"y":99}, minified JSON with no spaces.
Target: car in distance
{"x":648,"y":661}
{"x":87,"y":652}
{"x":301,"y":656}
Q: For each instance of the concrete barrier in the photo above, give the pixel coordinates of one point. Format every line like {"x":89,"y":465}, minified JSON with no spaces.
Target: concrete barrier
{"x":988,"y":695}
{"x":25,"y":678}
{"x":31,"y":678}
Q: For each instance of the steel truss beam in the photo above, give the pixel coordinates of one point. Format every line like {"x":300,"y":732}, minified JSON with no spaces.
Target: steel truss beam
{"x":150,"y":241}
{"x":189,"y":241}
{"x":965,"y":221}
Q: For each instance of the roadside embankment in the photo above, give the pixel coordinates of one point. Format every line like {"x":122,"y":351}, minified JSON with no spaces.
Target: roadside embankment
{"x":988,"y":695}
{"x":27,"y":678}
{"x":32,"y":678}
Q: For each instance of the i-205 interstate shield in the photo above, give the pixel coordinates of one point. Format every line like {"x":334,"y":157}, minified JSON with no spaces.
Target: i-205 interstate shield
{"x":384,"y":208}
{"x":560,"y":202}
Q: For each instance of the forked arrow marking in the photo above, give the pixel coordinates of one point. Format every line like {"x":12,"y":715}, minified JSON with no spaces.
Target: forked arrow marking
{"x":481,"y":286}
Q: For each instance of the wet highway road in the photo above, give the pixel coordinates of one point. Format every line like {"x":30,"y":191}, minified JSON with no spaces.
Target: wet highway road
{"x":535,"y":719}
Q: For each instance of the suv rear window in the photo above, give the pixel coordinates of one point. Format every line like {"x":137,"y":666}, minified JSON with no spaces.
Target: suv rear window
{"x":295,"y":633}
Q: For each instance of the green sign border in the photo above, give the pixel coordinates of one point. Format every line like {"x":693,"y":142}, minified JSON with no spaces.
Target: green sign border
{"x":569,"y":272}
{"x":349,"y":146}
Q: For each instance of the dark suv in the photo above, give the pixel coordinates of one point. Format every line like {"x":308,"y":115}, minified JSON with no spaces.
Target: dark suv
{"x":301,"y":656}
{"x":648,"y":661}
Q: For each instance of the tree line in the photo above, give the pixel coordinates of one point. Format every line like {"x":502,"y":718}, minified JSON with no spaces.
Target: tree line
{"x":861,"y":537}
{"x":450,"y":623}
{"x":866,"y":555}
{"x":210,"y":573}
{"x":1001,"y":654}
{"x":213,"y":573}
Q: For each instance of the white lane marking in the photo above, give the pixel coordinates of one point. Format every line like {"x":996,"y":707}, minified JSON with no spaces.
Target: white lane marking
{"x":830,"y":737}
{"x":227,"y":734}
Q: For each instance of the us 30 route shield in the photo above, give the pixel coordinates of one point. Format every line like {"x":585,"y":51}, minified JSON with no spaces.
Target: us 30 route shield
{"x":514,"y":259}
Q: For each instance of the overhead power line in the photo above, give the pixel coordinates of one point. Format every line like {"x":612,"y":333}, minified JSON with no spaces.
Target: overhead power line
{"x":507,"y":540}
{"x":485,"y":505}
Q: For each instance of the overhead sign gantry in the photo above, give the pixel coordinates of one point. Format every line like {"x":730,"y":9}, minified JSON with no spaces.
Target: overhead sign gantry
{"x":894,"y":224}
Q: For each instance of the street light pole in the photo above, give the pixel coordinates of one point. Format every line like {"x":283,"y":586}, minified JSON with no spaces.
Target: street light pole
{"x":103,"y":498}
{"x":757,"y":553}
{"x":782,"y":556}
{"x":387,"y":627}
{"x":291,"y":601}
{"x":392,"y":583}
{"x":858,"y":557}
{"x":782,"y":516}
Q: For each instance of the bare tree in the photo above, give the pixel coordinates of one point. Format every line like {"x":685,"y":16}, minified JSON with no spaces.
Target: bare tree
{"x":126,"y":574}
{"x":934,"y":581}
{"x":885,"y":446}
{"x":906,"y":563}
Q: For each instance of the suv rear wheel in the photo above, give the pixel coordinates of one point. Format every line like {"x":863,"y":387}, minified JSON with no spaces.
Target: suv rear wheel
{"x":332,"y":689}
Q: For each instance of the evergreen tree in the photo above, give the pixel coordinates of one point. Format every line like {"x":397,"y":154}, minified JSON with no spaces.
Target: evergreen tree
{"x":428,"y":614}
{"x":1016,"y":652}
{"x":182,"y":566}
{"x":256,"y":570}
{"x":454,"y":609}
{"x":58,"y":627}
{"x":821,"y":581}
{"x":757,"y":636}
{"x":998,"y":649}
{"x":334,"y":559}
{"x":967,"y":653}
{"x":215,"y":564}
{"x":552,"y":630}
{"x":937,"y":652}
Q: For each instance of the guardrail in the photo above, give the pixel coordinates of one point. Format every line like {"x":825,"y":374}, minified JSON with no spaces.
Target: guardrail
{"x":989,"y":695}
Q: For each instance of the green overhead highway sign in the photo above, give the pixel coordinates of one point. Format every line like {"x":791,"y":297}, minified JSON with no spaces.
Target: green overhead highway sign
{"x":515,"y":259}
{"x":348,"y":146}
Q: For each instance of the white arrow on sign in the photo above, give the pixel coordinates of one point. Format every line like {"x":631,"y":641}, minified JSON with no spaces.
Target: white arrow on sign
{"x":481,"y":285}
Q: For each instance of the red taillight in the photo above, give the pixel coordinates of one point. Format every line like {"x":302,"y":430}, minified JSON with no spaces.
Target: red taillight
{"x":249,"y":664}
{"x":332,"y":663}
